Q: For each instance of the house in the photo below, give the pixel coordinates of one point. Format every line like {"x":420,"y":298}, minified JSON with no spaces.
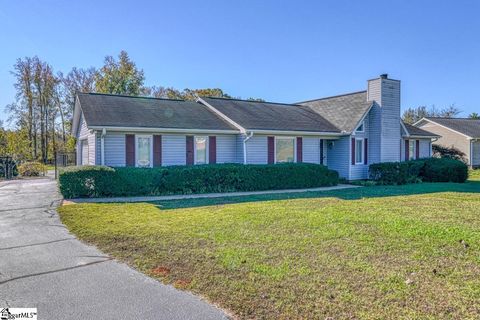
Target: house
{"x":346,"y":132}
{"x":461,"y":133}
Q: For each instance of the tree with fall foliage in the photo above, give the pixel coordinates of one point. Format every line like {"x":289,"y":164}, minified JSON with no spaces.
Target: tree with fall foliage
{"x":119,"y":76}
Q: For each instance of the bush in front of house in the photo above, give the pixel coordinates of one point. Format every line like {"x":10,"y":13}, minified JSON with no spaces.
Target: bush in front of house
{"x":32,"y":169}
{"x":444,"y":170}
{"x":428,"y":170}
{"x":100,"y":181}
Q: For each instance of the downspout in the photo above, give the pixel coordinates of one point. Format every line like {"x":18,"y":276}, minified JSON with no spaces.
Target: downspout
{"x":471,"y":153}
{"x":102,"y":146}
{"x":248,"y":137}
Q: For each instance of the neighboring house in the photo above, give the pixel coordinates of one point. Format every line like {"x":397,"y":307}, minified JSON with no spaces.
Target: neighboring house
{"x":345,"y":133}
{"x":461,"y":133}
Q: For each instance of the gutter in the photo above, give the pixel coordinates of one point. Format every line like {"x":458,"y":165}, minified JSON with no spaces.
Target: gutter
{"x":301,"y":133}
{"x":169,"y":130}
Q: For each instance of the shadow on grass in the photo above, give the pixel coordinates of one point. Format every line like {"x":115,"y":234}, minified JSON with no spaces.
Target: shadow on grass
{"x":345,"y":194}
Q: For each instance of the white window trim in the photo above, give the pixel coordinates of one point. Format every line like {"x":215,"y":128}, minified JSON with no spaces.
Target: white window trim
{"x":207,"y":160}
{"x":151,"y":148}
{"x":362,"y":124}
{"x":362,"y":149}
{"x":294,"y":147}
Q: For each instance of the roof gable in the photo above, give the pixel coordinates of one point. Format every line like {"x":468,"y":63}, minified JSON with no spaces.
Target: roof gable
{"x":343,"y":111}
{"x":466,"y":126}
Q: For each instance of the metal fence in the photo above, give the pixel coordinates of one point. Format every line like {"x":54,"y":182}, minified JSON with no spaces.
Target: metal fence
{"x":64,"y":159}
{"x":7,"y":167}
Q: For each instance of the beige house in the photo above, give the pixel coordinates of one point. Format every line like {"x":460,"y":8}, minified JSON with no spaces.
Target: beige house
{"x":461,"y":133}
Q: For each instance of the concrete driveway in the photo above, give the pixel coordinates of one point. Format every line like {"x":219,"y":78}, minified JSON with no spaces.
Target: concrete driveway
{"x":42,"y":265}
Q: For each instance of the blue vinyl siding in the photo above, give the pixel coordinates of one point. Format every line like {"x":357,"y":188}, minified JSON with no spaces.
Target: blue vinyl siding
{"x":226,"y":149}
{"x":115,"y":149}
{"x":339,"y":156}
{"x":311,"y":149}
{"x":257,"y":150}
{"x":360,"y":171}
{"x":173,"y":150}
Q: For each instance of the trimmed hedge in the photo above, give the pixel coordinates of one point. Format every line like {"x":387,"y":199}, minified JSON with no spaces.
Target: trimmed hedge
{"x":428,"y":170}
{"x":100,"y":181}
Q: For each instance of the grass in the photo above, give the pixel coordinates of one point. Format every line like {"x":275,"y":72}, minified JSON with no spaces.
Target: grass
{"x":403,"y":252}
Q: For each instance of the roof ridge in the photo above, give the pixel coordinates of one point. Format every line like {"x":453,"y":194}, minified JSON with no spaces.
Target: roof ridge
{"x":336,"y":96}
{"x":460,"y":118}
{"x":254,"y":101}
{"x":127,"y":96}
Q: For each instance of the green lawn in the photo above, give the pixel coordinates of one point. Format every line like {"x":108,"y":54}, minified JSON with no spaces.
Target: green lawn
{"x":403,"y":252}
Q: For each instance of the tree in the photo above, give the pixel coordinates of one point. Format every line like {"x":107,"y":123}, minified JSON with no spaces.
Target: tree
{"x":35,"y":109}
{"x":474,"y":115}
{"x":119,"y":77}
{"x":448,"y":152}
{"x":77,"y":80}
{"x":185,"y":94}
{"x":23,"y":110}
{"x":45,"y":84}
{"x":412,"y":115}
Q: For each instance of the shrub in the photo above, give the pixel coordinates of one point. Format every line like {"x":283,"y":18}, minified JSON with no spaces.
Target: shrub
{"x":98,"y":181}
{"x":32,"y":169}
{"x":429,"y":170}
{"x":444,"y":170}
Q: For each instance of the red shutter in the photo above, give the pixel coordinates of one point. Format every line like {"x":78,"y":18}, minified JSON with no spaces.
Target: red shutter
{"x":417,"y":149}
{"x":271,"y":149}
{"x":189,"y":147}
{"x":157,"y":151}
{"x":130,"y":150}
{"x":365,"y":155}
{"x":407,"y":150}
{"x":299,"y":149}
{"x":321,"y":151}
{"x":353,"y":151}
{"x":212,"y":149}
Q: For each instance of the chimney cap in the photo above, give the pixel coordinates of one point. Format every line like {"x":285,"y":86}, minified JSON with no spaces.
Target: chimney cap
{"x":384,"y":76}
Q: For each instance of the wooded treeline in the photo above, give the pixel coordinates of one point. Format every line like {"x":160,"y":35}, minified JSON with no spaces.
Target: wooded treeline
{"x":43,"y":108}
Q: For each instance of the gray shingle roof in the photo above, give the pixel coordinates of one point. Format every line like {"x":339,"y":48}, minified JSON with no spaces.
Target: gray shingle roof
{"x":469,"y":127}
{"x":343,"y":111}
{"x":254,"y":115}
{"x":415,"y":131}
{"x":125,"y":111}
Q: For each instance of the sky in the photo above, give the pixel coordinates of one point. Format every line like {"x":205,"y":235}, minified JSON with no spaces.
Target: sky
{"x":284,"y":51}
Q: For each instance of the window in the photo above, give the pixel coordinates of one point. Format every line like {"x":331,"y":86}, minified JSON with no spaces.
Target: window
{"x":411,"y":150}
{"x":144,"y":151}
{"x":200,"y":150}
{"x":358,"y":151}
{"x":361,"y":127}
{"x":284,"y":149}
